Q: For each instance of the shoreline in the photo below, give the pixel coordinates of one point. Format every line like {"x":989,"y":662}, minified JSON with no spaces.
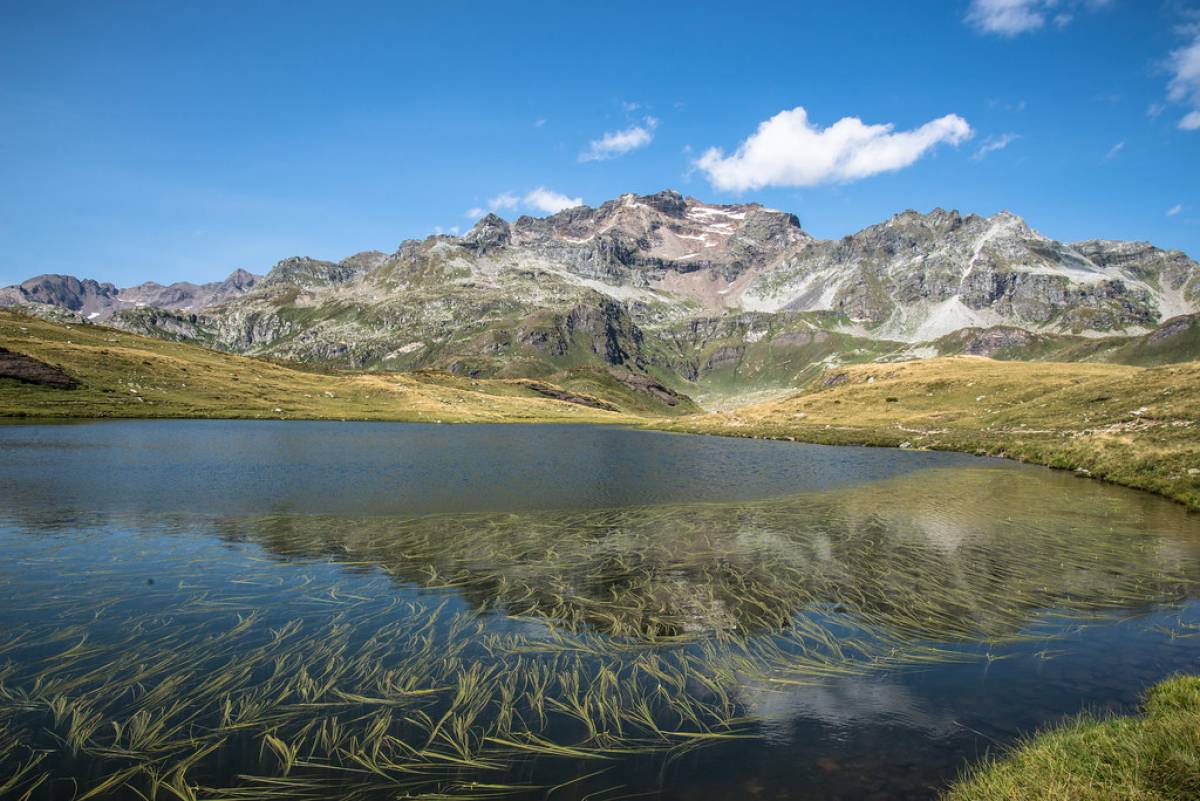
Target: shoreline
{"x":879,"y":440}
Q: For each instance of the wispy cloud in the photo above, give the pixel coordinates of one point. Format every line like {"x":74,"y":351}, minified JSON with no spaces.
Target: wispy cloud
{"x":1174,"y":210}
{"x":994,"y":143}
{"x":1184,"y":86}
{"x":501,"y":202}
{"x":1155,"y":110}
{"x":618,"y":143}
{"x":549,"y":201}
{"x":1014,"y":17}
{"x":788,"y":150}
{"x":540,"y":199}
{"x":1005,"y":105}
{"x":1114,"y":151}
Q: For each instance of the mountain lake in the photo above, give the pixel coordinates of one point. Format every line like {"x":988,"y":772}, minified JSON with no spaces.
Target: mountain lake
{"x":308,"y":610}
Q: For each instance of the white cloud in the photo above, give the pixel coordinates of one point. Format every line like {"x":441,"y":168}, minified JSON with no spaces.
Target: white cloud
{"x":1178,"y":207}
{"x":1014,"y":17}
{"x":1155,"y":110}
{"x":540,"y":199}
{"x":549,"y":201}
{"x":501,"y":202}
{"x":1006,"y":17}
{"x":1185,"y":78}
{"x":1184,"y":86}
{"x":994,"y":143}
{"x":787,"y":150}
{"x":618,"y":143}
{"x":1113,"y":151}
{"x":1005,"y":105}
{"x":505,"y":200}
{"x":539,"y":122}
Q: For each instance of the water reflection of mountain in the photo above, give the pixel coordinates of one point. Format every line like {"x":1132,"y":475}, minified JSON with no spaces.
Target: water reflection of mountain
{"x":936,"y":554}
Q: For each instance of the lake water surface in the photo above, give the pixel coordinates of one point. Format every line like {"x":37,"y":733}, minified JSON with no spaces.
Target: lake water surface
{"x":298,"y":610}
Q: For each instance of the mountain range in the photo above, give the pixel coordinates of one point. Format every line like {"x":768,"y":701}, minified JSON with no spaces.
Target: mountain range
{"x":668,"y":295}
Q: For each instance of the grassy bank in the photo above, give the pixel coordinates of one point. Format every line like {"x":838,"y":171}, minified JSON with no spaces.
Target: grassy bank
{"x":1154,"y":756}
{"x":127,"y":375}
{"x":1130,"y":425}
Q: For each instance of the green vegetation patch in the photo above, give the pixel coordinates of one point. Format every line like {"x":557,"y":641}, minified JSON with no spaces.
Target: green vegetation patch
{"x":1154,"y":756}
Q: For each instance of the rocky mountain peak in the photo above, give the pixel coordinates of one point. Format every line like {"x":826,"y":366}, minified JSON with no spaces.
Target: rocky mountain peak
{"x":66,"y":291}
{"x":241,"y":279}
{"x":365,"y":261}
{"x":1012,"y":223}
{"x":305,"y":272}
{"x":668,"y":202}
{"x":939,"y":221}
{"x":488,"y":234}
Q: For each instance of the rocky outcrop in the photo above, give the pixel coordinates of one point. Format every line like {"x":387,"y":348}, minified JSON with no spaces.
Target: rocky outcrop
{"x":489,"y":234}
{"x":646,"y":385}
{"x":558,"y":393}
{"x":990,"y":342}
{"x":28,"y":370}
{"x":305,"y":273}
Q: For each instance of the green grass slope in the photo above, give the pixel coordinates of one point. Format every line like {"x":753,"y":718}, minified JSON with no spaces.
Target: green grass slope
{"x":1154,"y":756}
{"x":129,"y":375}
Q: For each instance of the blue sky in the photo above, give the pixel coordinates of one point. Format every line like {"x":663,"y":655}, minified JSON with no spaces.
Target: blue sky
{"x":174,"y":141}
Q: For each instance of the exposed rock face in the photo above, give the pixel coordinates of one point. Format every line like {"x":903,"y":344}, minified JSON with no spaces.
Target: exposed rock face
{"x":661,"y":285}
{"x":490,"y":233}
{"x":644,"y":384}
{"x":29,"y":370}
{"x":1173,"y":328}
{"x":306,"y":273}
{"x":918,"y":277}
{"x":991,"y":341}
{"x":550,"y":391}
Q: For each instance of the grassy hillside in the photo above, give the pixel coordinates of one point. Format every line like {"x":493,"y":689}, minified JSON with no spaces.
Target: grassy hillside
{"x":1130,"y":425}
{"x":127,"y":375}
{"x":1149,"y":757}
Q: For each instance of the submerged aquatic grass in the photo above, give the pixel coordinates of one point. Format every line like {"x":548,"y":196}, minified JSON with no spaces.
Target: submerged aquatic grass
{"x":308,"y":657}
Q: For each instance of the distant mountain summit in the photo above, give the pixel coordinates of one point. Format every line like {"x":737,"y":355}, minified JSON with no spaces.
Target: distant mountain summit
{"x":700,"y":296}
{"x":95,"y":301}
